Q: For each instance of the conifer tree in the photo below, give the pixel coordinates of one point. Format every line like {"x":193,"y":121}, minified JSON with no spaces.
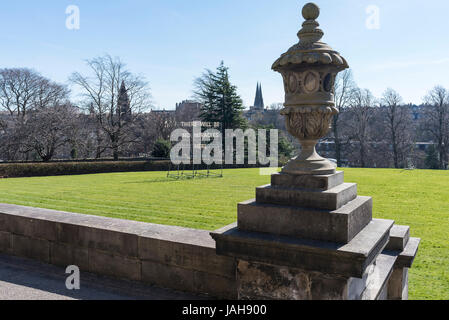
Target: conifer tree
{"x":221,"y":102}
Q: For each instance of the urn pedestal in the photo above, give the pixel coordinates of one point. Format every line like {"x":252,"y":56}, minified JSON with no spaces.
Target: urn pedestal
{"x":309,"y":235}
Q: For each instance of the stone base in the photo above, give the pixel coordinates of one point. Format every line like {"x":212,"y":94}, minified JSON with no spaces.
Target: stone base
{"x":311,"y":237}
{"x":312,"y":182}
{"x":339,"y":226}
{"x":260,"y":281}
{"x":350,"y":260}
{"x":319,"y":166}
{"x":331,"y":199}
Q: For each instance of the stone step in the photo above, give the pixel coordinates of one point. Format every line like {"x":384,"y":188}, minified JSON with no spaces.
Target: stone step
{"x":399,"y":237}
{"x":332,"y":199}
{"x":318,"y":183}
{"x":340,"y":226}
{"x":350,"y":260}
{"x":408,"y":255}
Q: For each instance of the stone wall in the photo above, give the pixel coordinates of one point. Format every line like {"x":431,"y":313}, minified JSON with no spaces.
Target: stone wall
{"x":170,"y":257}
{"x":186,"y":259}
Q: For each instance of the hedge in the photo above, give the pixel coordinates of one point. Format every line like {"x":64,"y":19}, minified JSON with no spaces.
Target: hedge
{"x":18,"y":170}
{"x":75,"y":168}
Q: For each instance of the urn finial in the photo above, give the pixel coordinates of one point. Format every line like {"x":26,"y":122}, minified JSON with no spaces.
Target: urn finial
{"x":310,"y":33}
{"x":311,"y":11}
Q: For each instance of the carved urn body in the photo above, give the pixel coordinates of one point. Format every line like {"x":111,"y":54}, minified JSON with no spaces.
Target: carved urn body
{"x":309,"y":69}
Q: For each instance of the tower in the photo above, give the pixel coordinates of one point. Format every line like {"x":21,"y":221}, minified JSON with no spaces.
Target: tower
{"x":123,"y":104}
{"x":258,"y":102}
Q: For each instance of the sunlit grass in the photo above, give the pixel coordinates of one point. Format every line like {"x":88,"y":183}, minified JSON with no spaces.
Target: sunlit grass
{"x":417,"y":198}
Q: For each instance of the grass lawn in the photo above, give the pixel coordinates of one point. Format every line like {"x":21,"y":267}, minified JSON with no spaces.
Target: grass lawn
{"x":417,"y":198}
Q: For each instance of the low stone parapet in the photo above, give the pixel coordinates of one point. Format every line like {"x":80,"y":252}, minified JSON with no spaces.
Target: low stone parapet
{"x":165,"y":256}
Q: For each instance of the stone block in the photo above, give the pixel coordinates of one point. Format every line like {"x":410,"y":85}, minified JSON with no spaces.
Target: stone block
{"x":332,"y":199}
{"x":357,"y":286}
{"x":32,"y":248}
{"x":378,"y":281}
{"x":259,"y":281}
{"x":340,"y":226}
{"x":398,"y":285}
{"x":168,"y":276}
{"x":399,"y":237}
{"x":30,"y":227}
{"x":406,"y":257}
{"x":65,"y":255}
{"x":182,"y":279}
{"x":215,"y":285}
{"x":201,"y":258}
{"x":114,"y":265}
{"x":5,"y":242}
{"x":349,"y":260}
{"x":121,"y":243}
{"x":319,"y":183}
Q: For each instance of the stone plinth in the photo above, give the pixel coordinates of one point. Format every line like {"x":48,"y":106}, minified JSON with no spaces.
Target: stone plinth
{"x":312,"y":237}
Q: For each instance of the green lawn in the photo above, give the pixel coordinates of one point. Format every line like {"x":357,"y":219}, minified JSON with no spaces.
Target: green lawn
{"x":418,"y":198}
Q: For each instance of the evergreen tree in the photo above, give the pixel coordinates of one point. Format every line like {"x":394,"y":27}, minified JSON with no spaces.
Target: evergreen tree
{"x":221,"y":102}
{"x":432,"y":159}
{"x":161,"y":149}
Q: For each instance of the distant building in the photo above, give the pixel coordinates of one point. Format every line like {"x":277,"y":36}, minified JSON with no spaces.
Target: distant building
{"x":259,"y":107}
{"x":186,"y":111}
{"x":173,"y":112}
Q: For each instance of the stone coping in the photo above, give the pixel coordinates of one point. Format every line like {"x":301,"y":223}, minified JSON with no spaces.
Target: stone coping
{"x":142,"y":229}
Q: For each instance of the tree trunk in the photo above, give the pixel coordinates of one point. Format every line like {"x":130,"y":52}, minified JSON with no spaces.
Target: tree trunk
{"x":337,"y":142}
{"x":115,"y":147}
{"x":395,"y":153}
{"x":115,"y":152}
{"x":362,"y":155}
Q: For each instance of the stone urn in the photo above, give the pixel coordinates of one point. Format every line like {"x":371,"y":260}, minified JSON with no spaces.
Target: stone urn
{"x":309,"y":69}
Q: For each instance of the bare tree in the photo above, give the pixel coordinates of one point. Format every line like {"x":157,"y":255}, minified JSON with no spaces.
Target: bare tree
{"x":277,"y":106}
{"x":104,"y":97}
{"x":23,"y":92}
{"x":163,"y":123}
{"x":344,"y":91}
{"x":48,"y":129}
{"x":362,"y":110}
{"x":437,"y":122}
{"x":398,"y":120}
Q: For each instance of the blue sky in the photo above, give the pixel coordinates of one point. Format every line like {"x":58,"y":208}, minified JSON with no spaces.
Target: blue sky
{"x":171,"y":42}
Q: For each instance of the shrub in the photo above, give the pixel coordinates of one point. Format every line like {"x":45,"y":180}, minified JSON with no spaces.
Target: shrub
{"x":432,"y":158}
{"x":15,"y":170}
{"x":41,"y":169}
{"x":161,"y":149}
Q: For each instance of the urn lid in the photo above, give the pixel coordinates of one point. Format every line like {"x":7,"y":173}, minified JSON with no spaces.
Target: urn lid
{"x":310,"y":50}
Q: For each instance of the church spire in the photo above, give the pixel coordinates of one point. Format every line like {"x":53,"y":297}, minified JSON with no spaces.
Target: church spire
{"x":123,"y":105}
{"x":258,"y":102}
